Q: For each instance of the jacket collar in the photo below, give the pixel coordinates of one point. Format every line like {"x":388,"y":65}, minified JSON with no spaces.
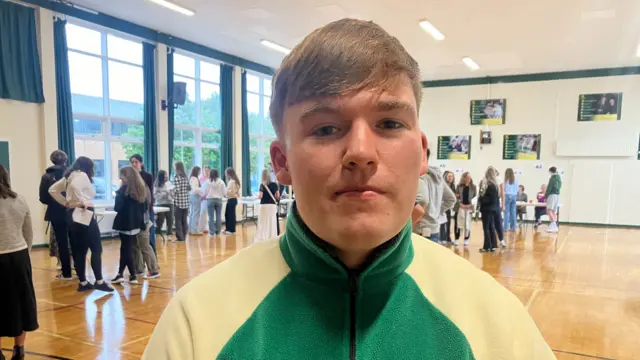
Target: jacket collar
{"x":315,"y":259}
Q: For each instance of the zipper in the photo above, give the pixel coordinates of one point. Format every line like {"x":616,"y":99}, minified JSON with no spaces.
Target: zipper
{"x":353,"y":297}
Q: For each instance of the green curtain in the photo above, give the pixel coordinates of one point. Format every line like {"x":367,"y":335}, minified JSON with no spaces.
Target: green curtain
{"x":20,"y":72}
{"x":246,"y":155}
{"x":63,"y":90}
{"x":226,"y":93}
{"x":150,"y":120}
{"x":170,"y":110}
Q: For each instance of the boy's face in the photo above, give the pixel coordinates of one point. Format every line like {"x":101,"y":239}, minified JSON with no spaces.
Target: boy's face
{"x":136,"y":164}
{"x":354,"y":162}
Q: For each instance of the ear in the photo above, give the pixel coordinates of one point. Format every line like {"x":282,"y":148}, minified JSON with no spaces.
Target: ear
{"x":425,"y":162}
{"x":279,"y":162}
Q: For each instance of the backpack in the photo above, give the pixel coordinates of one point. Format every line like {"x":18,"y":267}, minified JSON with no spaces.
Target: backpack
{"x":48,"y":179}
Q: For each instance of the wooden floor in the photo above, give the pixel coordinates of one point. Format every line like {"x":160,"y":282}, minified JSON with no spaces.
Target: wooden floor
{"x":581,"y":286}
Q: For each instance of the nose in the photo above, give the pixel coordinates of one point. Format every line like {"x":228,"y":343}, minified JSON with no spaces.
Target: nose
{"x":361,"y":150}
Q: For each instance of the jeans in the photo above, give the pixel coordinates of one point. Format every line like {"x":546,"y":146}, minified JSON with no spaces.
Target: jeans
{"x":82,"y":239}
{"x":152,"y":239}
{"x":126,"y":254}
{"x":230,"y":215}
{"x":510,"y":211}
{"x":181,"y":223}
{"x":194,"y":212}
{"x":214,"y":209}
{"x":61,"y":230}
{"x":435,"y":237}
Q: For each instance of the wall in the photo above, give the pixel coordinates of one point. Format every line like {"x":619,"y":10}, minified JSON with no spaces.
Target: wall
{"x":595,"y":189}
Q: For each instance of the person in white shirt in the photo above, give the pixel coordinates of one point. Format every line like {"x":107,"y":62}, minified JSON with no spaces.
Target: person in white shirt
{"x":195,"y":197}
{"x":233,"y":193}
{"x":214,"y":190}
{"x":202,"y":222}
{"x":76,"y":185}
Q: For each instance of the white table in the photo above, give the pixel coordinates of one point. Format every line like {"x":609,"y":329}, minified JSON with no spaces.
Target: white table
{"x":105,"y":223}
{"x":249,"y":209}
{"x":284,"y":205}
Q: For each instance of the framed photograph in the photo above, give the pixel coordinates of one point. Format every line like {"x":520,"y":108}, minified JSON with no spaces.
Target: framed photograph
{"x":456,"y":147}
{"x":521,"y":147}
{"x":600,"y":107}
{"x":488,"y":112}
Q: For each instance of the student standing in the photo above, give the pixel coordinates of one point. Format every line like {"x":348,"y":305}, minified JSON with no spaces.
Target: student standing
{"x":510,"y":198}
{"x":490,"y":208}
{"x":552,"y":196}
{"x":497,"y":220}
{"x":131,"y":205}
{"x":214,"y":190}
{"x":56,"y":213}
{"x":465,"y":191}
{"x":76,"y":185}
{"x":202,"y":221}
{"x":269,"y":195}
{"x":233,"y":194}
{"x":445,"y":229}
{"x":162,"y":192}
{"x":142,"y":252}
{"x":18,"y":310}
{"x":522,"y":197}
{"x":181,"y":190}
{"x":137,"y":162}
{"x":195,"y":201}
{"x":539,"y":209}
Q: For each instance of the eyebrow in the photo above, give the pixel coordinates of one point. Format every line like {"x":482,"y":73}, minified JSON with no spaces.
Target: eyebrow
{"x":381,"y":106}
{"x":391,"y":105}
{"x":320,"y":108}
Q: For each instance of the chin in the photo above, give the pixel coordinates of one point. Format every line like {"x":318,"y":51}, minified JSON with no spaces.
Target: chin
{"x":367,"y":232}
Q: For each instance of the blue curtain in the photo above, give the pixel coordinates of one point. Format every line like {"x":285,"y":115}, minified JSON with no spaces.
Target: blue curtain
{"x":170,"y":110}
{"x":150,"y":130}
{"x":63,"y":90}
{"x":20,"y":72}
{"x":226,"y":93}
{"x":246,"y":155}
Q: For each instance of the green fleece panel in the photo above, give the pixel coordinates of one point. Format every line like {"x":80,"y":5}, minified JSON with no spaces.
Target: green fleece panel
{"x":308,"y":314}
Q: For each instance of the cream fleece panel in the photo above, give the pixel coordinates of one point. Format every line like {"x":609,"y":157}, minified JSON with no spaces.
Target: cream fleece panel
{"x":208,"y":310}
{"x":494,"y":321}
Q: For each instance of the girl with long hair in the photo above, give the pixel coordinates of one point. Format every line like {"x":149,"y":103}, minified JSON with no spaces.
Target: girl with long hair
{"x":268,"y":217}
{"x":510,"y":197}
{"x":130,"y":207}
{"x":214,"y":190}
{"x":18,"y":309}
{"x":79,"y":194}
{"x":490,"y":208}
{"x":164,"y":198}
{"x":445,"y":229}
{"x":233,"y":193}
{"x":195,"y":201}
{"x":180,"y":194}
{"x":465,"y":193}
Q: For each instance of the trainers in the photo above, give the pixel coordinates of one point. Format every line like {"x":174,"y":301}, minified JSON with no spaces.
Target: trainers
{"x":103,"y":287}
{"x":484,"y":250}
{"x":494,"y":249}
{"x":86,"y":287}
{"x":62,"y":277}
{"x":133,"y":280}
{"x":502,"y":243}
{"x":118,"y":279}
{"x":456,"y":242}
{"x":466,"y":242}
{"x":229,"y":233}
{"x":152,"y":275}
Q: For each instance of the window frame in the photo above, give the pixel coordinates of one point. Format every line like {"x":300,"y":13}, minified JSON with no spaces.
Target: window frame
{"x":106,"y":120}
{"x":262,"y":137}
{"x":198,"y":129}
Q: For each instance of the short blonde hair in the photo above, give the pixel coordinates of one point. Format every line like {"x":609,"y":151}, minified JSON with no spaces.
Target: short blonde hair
{"x":266,"y":177}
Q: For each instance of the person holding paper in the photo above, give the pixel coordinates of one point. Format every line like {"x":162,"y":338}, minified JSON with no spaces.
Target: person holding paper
{"x":83,"y":227}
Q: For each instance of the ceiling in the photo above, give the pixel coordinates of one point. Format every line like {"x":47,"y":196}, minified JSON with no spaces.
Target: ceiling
{"x":503,"y":36}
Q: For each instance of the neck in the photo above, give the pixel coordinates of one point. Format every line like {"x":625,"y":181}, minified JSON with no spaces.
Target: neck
{"x":353,"y":260}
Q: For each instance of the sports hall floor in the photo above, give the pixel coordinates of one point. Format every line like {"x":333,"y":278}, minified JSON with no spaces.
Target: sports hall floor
{"x":582,"y":287}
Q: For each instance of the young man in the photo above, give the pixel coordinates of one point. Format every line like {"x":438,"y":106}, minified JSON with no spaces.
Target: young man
{"x":56,"y":213}
{"x":347,"y":280}
{"x":436,"y":198}
{"x":552,"y":197}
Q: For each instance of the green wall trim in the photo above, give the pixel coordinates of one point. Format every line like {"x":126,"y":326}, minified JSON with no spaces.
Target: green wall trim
{"x":548,"y":76}
{"x":149,"y":34}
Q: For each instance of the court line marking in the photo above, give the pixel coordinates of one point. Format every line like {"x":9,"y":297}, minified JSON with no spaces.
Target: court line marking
{"x":126,"y":317}
{"x":584,"y":355}
{"x":134,"y":341}
{"x":532,"y":298}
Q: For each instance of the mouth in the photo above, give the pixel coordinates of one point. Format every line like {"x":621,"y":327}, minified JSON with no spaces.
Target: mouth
{"x":361,"y":192}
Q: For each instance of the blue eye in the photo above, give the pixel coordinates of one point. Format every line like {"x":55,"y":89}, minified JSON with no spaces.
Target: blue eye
{"x":390,"y":124}
{"x":325,"y":131}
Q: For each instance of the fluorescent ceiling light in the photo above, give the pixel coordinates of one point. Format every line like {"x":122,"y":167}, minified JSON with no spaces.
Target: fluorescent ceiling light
{"x":472,"y":65}
{"x":274,"y":46}
{"x":431,"y":30}
{"x":174,"y":7}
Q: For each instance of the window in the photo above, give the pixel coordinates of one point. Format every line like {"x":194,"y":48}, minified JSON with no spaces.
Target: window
{"x":261,"y":131}
{"x":108,"y":102}
{"x":197,"y":123}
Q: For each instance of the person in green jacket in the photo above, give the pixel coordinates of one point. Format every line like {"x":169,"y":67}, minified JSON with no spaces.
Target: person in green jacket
{"x":347,"y":279}
{"x":552,"y":196}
